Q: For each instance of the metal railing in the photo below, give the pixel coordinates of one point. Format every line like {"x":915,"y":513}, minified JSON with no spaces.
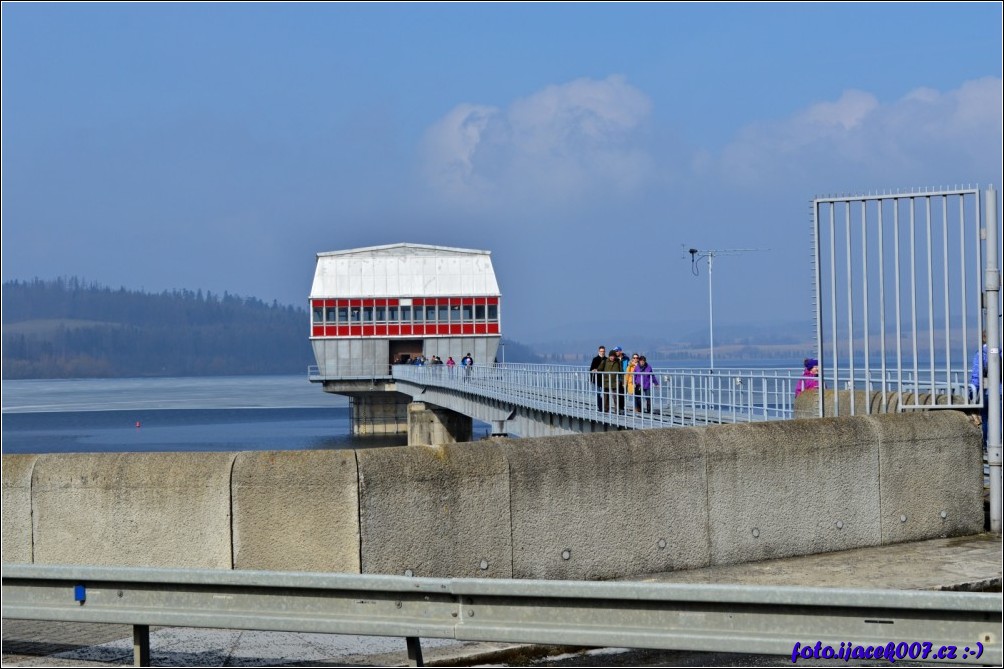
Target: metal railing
{"x":674,"y":396}
{"x":898,"y":280}
{"x":680,"y":397}
{"x":775,"y":620}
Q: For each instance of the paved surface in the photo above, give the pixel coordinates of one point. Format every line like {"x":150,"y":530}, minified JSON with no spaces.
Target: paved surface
{"x":962,"y":563}
{"x":959,"y":563}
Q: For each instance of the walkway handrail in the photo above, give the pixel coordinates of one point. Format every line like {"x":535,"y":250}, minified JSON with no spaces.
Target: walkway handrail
{"x":674,"y":396}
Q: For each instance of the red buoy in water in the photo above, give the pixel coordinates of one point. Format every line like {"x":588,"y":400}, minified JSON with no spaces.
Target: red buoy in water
{"x":138,"y":424}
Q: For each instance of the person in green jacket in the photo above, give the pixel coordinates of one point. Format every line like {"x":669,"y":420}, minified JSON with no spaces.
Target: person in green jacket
{"x":611,"y":373}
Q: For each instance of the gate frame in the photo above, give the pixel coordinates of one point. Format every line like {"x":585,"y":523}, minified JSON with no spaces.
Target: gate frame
{"x":987,"y":293}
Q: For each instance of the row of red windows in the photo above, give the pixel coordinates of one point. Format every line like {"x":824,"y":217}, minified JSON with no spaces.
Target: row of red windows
{"x":404,"y":330}
{"x":393,"y":302}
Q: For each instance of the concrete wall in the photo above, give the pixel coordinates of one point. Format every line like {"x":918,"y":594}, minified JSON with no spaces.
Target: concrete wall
{"x":132,"y":509}
{"x":17,"y":508}
{"x":296,"y":511}
{"x":573,"y":507}
{"x":430,"y":511}
{"x":838,"y":403}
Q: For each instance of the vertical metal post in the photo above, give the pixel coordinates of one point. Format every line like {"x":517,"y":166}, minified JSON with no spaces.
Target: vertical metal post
{"x":711,"y":312}
{"x":414,"y":651}
{"x":993,"y":285}
{"x":913,"y":297}
{"x":899,"y":326}
{"x":141,"y":645}
{"x":864,"y":298}
{"x":948,"y":322}
{"x":850,"y":301}
{"x":930,"y":299}
{"x":881,"y":268}
{"x":817,"y":270}
{"x":833,"y":312}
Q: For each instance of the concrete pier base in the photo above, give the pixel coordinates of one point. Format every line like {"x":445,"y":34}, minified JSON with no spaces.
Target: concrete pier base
{"x":378,"y":414}
{"x":434,"y":426}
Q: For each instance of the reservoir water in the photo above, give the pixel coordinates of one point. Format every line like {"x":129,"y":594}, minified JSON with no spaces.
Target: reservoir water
{"x":176,"y":414}
{"x":186,"y":414}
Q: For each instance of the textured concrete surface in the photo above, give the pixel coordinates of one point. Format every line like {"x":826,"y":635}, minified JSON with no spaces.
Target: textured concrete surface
{"x":969,"y":563}
{"x":931,"y":475}
{"x":576,"y":507}
{"x":17,"y":508}
{"x":435,"y":511}
{"x":429,"y":425}
{"x":792,"y":488}
{"x":807,"y":403}
{"x":133,"y":509}
{"x":296,"y":511}
{"x":607,"y":505}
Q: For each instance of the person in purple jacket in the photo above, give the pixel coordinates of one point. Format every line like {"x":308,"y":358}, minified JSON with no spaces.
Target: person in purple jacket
{"x":644,"y":379}
{"x":810,"y":377}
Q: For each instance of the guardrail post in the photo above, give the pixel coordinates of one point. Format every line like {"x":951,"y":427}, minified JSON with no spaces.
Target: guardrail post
{"x":414,"y":651}
{"x":141,"y":645}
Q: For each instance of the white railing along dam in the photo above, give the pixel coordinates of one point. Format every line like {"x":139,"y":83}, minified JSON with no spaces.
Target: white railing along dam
{"x":675,"y":396}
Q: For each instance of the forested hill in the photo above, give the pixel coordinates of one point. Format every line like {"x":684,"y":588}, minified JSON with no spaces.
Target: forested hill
{"x":67,"y":328}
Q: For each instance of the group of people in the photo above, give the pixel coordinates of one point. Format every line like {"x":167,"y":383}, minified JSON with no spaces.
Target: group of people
{"x":420,"y":359}
{"x":619,"y":378}
{"x":466,"y":363}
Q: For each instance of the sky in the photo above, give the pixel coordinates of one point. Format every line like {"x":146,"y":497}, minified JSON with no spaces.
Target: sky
{"x":162,"y":146}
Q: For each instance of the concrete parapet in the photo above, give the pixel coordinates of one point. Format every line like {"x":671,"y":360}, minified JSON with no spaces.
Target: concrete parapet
{"x":17,"y":508}
{"x":587,"y":506}
{"x":296,"y":511}
{"x":132,"y":509}
{"x":866,"y":403}
{"x":608,"y":505}
{"x":931,"y":475}
{"x":435,"y":511}
{"x":792,"y":488}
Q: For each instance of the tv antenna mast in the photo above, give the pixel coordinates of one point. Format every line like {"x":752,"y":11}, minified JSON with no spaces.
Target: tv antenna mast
{"x":697,"y":255}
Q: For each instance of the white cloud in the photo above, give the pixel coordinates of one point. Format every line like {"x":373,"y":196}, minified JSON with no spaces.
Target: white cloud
{"x":925,"y":135}
{"x":553,"y":146}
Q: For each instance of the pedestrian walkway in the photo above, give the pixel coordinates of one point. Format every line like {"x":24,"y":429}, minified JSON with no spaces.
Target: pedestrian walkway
{"x":960,"y":563}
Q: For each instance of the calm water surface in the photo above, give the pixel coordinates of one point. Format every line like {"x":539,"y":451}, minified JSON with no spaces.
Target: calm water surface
{"x":179,"y":414}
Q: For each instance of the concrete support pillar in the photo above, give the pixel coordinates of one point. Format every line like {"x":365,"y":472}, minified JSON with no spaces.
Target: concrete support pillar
{"x":379,"y":414}
{"x":434,"y":426}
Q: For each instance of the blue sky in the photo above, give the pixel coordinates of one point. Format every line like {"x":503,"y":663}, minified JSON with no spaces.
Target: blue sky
{"x":220,"y":146}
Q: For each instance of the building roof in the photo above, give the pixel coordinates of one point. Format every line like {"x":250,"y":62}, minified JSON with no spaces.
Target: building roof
{"x":404,"y":270}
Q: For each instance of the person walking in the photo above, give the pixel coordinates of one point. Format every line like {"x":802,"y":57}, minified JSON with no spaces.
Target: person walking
{"x":629,"y":385}
{"x":467,"y":362}
{"x":644,"y":379}
{"x":594,"y":375}
{"x":978,"y":378}
{"x":612,"y":377}
{"x":623,"y":362}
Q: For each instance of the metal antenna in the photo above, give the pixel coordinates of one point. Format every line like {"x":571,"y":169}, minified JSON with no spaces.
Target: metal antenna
{"x":696,"y":255}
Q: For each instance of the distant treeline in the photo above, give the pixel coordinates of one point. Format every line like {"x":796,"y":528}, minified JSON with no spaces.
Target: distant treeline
{"x":69,"y":328}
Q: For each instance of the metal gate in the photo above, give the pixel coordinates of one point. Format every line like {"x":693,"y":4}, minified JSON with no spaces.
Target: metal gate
{"x":898,"y":292}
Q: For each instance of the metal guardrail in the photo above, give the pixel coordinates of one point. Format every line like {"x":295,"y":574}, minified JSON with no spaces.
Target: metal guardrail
{"x":709,"y":617}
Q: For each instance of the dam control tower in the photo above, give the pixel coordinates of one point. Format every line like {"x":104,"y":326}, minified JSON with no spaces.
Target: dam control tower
{"x":374,"y":307}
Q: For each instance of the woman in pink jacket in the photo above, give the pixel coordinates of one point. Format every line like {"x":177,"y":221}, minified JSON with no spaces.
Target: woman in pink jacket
{"x":810,"y":377}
